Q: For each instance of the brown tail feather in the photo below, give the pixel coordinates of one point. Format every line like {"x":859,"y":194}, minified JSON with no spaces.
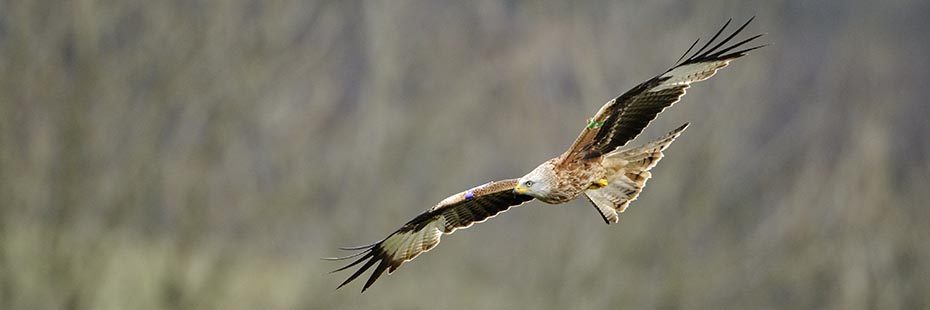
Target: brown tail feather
{"x":629,"y":172}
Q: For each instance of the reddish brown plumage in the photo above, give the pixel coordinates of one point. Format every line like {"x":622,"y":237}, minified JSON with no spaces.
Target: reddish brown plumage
{"x":572,"y":178}
{"x":593,"y":165}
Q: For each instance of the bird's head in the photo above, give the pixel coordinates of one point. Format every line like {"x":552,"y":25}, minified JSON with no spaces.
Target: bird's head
{"x":537,"y":183}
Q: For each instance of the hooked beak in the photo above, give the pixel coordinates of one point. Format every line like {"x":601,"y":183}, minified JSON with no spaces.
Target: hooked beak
{"x":519,"y":189}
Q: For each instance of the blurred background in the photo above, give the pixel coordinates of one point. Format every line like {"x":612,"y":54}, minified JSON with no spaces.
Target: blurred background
{"x":206,"y":154}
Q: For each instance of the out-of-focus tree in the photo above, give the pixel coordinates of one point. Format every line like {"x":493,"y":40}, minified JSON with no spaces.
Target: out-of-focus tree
{"x":204,"y":154}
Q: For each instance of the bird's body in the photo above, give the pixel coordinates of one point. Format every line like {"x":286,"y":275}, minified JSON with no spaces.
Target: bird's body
{"x":569,"y":179}
{"x":608,"y":180}
{"x":595,"y":166}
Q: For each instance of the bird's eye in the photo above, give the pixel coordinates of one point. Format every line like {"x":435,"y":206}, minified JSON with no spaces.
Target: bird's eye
{"x":528,"y":183}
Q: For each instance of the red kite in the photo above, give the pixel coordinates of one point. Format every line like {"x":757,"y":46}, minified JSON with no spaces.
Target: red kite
{"x":595,"y":166}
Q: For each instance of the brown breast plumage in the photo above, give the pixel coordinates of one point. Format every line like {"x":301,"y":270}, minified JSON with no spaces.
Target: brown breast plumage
{"x":574,"y":178}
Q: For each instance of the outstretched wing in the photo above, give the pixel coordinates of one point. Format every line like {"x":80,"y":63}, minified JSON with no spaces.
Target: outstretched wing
{"x":422,"y":233}
{"x":623,"y":118}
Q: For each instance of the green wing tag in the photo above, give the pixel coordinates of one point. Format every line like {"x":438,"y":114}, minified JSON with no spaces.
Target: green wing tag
{"x":594,"y":125}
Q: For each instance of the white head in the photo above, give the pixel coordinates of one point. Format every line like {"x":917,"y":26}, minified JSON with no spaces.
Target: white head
{"x":538,"y":183}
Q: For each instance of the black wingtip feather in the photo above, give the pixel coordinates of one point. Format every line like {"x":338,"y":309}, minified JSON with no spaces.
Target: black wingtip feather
{"x":361,"y":247}
{"x":732,"y":47}
{"x":375,"y":274}
{"x":713,"y":38}
{"x":715,"y":53}
{"x":356,"y":262}
{"x":359,"y":271}
{"x":688,"y":51}
{"x":344,"y":257}
{"x":728,"y":38}
{"x":742,"y":53}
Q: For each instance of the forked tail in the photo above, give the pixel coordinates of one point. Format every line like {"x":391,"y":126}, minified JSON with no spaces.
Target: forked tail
{"x":628,"y":172}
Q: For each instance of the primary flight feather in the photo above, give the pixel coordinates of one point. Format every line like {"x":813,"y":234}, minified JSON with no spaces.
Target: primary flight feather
{"x":595,"y":166}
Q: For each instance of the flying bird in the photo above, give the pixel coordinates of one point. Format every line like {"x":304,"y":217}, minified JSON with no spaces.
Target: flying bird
{"x":594,"y":166}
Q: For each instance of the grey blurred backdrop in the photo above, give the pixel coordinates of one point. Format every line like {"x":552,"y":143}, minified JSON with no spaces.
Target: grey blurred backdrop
{"x":205,"y":154}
